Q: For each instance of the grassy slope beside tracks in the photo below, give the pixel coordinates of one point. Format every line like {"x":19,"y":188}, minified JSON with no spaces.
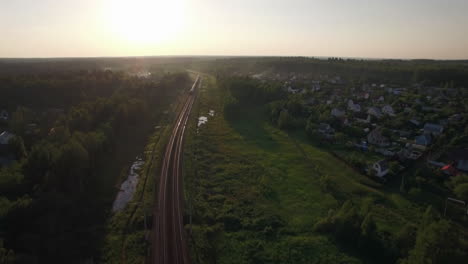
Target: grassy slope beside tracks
{"x":259,"y":195}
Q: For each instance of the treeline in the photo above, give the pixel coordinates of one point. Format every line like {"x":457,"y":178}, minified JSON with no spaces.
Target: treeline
{"x":57,"y":195}
{"x":284,"y":111}
{"x":434,"y":240}
{"x":404,"y":72}
{"x":245,"y":91}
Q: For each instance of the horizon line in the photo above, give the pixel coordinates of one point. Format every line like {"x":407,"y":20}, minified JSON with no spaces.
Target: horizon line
{"x":227,"y":56}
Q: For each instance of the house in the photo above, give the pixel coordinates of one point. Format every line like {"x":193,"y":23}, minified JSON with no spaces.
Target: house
{"x":459,"y":157}
{"x":375,"y":137}
{"x":4,"y":115}
{"x":409,"y":153}
{"x":354,"y":107}
{"x":388,"y":110}
{"x":381,"y":168}
{"x":292,"y":90}
{"x":315,"y":86}
{"x":455,"y":118}
{"x":5,"y":138}
{"x":310,"y":101}
{"x":326,"y":130}
{"x":337,"y":112}
{"x":398,"y":91}
{"x":362,"y":146}
{"x":433,"y":129}
{"x":449,"y":169}
{"x":415,"y":122}
{"x":462,"y":165}
{"x":430,"y":109}
{"x":381,"y":98}
{"x":374,"y":111}
{"x":385,"y":152}
{"x":362,"y":95}
{"x":423,"y":140}
{"x":365,"y":121}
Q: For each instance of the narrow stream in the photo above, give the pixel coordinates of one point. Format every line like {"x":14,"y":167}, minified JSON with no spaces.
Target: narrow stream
{"x":128,"y":187}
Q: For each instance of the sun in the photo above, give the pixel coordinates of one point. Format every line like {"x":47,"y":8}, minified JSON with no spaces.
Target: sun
{"x":146,"y":21}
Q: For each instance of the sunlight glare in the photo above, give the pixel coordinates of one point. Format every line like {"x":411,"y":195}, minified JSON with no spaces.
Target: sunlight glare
{"x":146,"y":21}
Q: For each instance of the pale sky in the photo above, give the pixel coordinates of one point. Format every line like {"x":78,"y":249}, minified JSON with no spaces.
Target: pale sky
{"x":435,"y":29}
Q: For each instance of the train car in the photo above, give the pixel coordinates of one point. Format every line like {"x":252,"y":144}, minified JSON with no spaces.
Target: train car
{"x":194,"y":85}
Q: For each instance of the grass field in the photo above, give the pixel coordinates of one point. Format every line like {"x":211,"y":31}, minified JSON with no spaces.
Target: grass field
{"x":255,"y":192}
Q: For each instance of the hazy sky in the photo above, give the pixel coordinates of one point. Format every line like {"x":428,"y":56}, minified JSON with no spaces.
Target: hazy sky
{"x":342,"y":28}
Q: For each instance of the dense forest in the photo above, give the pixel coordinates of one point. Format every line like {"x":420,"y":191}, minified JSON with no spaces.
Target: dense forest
{"x":74,"y":131}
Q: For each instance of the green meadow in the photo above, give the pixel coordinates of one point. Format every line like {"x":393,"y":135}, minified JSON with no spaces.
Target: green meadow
{"x":255,"y":192}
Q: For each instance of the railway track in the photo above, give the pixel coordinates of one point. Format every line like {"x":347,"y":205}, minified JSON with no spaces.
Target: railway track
{"x":169,"y":238}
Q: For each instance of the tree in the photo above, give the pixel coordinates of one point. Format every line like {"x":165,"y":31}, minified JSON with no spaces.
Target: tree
{"x":285,"y":120}
{"x":405,"y":239}
{"x":17,"y":147}
{"x":437,"y":242}
{"x":462,"y":191}
{"x":71,"y":167}
{"x":19,"y":119}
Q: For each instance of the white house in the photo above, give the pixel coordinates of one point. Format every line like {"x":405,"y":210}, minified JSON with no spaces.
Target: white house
{"x":316,"y":86}
{"x":381,"y":168}
{"x":388,"y":109}
{"x":5,"y":137}
{"x":374,"y":111}
{"x":292,"y":90}
{"x":354,"y":107}
{"x":375,"y":137}
{"x":337,"y":112}
{"x":4,"y":115}
{"x":365,"y":121}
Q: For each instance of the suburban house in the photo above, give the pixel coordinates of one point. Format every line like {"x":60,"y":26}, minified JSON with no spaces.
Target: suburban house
{"x":326,"y":130}
{"x":388,"y":110}
{"x":354,"y":107}
{"x":310,"y":101}
{"x":423,"y":140}
{"x":381,"y":168}
{"x":449,"y":169}
{"x":433,"y":129}
{"x":374,"y":111}
{"x":415,"y":122}
{"x":398,"y":91}
{"x":4,"y":115}
{"x":409,"y":153}
{"x":385,"y":152}
{"x":315,"y":86}
{"x":5,"y":138}
{"x":365,"y":121}
{"x":337,"y":112}
{"x":375,"y":137}
{"x":455,"y":118}
{"x":459,"y":157}
{"x":365,"y":96}
{"x":292,"y":90}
